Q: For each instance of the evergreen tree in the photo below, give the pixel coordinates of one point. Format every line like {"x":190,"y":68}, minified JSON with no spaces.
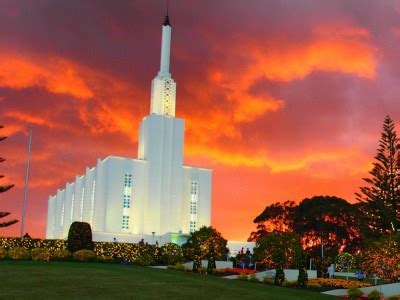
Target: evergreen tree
{"x":3,"y":189}
{"x":380,"y":199}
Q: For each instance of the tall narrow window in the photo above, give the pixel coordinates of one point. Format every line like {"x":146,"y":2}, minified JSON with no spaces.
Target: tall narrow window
{"x":194,"y":197}
{"x":82,"y":199}
{"x":126,"y":200}
{"x":125,"y":222}
{"x":92,"y":202}
{"x":62,"y":213}
{"x":72,"y":207}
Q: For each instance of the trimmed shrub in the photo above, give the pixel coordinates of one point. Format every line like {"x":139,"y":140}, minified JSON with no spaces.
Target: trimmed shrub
{"x":279,"y":276}
{"x":84,"y":255}
{"x":3,"y":253}
{"x":19,"y":253}
{"x":80,"y":237}
{"x":354,"y":293}
{"x":40,"y":254}
{"x":374,"y":295}
{"x":242,"y":277}
{"x":171,"y":254}
{"x":61,"y":255}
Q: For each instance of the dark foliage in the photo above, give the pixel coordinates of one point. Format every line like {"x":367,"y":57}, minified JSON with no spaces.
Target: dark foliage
{"x":3,"y":189}
{"x":320,"y":219}
{"x":331,"y":221}
{"x":80,"y":237}
{"x":277,"y":217}
{"x":381,"y":196}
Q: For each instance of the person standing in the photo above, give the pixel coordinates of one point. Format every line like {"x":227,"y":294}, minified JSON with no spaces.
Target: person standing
{"x":331,"y":271}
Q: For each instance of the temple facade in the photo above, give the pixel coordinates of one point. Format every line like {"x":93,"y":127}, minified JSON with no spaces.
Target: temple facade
{"x":154,"y":197}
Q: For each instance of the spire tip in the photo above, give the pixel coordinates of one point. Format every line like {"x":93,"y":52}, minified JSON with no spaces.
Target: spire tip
{"x":166,"y":21}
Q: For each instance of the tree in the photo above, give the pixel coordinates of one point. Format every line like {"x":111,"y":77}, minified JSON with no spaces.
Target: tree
{"x":381,"y":196}
{"x":3,"y":189}
{"x":382,"y":257}
{"x":277,"y":250}
{"x":205,"y":243}
{"x":277,"y":217}
{"x":330,"y":221}
{"x":301,"y":263}
{"x":80,"y":237}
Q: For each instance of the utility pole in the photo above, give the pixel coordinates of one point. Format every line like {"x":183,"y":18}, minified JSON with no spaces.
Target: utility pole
{"x":26,"y":182}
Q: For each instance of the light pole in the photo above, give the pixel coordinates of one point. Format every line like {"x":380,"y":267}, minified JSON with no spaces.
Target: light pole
{"x":26,"y":182}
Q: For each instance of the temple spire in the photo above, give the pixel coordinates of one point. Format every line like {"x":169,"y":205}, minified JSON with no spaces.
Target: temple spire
{"x":163,"y":89}
{"x":165,"y":48}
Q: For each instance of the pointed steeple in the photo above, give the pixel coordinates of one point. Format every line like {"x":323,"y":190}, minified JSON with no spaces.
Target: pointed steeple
{"x":166,"y":21}
{"x":163,"y":89}
{"x":165,"y":47}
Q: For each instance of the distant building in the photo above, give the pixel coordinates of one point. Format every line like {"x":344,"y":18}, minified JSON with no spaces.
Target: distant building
{"x":155,"y":197}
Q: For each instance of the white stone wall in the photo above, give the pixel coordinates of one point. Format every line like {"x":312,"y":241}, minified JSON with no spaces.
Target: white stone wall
{"x":203,"y":177}
{"x":161,"y":145}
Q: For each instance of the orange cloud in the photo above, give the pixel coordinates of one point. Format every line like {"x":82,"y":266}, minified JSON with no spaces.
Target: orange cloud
{"x":28,"y":118}
{"x":54,"y":74}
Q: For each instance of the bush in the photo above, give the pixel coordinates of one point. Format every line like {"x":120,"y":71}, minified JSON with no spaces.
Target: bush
{"x":396,"y":297}
{"x":145,"y":259}
{"x":40,"y":254}
{"x":338,"y":283}
{"x":253,"y":277}
{"x":242,"y":277}
{"x":61,"y":255}
{"x":374,"y":295}
{"x":3,"y":253}
{"x":80,"y":237}
{"x":84,"y":255}
{"x":354,"y":293}
{"x":302,"y":279}
{"x":19,"y":253}
{"x":171,"y":254}
{"x":268,"y":280}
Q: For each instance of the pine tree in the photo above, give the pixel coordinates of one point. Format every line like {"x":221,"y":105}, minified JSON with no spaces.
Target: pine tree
{"x":380,"y":199}
{"x":3,"y":189}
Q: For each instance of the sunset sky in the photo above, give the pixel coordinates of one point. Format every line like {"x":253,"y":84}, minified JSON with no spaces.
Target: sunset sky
{"x":282,"y":99}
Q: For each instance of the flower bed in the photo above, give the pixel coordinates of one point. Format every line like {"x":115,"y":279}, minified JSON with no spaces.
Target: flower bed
{"x":234,"y":271}
{"x":336,"y":283}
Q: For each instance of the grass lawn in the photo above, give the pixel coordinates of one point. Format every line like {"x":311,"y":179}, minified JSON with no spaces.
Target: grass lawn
{"x":30,"y":280}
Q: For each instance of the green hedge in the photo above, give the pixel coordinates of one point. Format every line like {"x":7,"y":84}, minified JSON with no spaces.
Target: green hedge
{"x":141,"y":254}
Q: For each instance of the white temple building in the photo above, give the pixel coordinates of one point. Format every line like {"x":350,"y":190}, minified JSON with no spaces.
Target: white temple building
{"x":154,"y":197}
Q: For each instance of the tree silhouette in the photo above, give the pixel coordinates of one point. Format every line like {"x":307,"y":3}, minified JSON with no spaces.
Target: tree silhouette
{"x":277,"y":217}
{"x":5,"y":188}
{"x":380,"y":199}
